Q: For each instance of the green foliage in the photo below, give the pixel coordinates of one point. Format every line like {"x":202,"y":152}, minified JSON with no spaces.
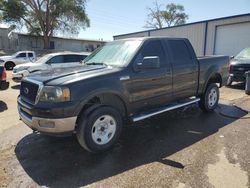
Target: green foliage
{"x":174,"y":14}
{"x":12,"y":11}
{"x":46,"y":17}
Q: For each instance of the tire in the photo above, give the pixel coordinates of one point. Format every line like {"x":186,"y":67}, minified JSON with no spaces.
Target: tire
{"x":9,"y":65}
{"x":209,"y":100}
{"x":100,"y":129}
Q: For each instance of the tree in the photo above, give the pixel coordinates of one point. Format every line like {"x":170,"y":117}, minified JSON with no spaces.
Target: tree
{"x":45,"y":17}
{"x":155,"y":19}
{"x":173,"y":15}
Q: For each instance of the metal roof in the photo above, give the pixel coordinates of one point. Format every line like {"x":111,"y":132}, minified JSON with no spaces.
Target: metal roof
{"x":204,"y":21}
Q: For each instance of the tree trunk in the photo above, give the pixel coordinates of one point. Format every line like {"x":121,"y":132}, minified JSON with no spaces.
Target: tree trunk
{"x":46,"y":40}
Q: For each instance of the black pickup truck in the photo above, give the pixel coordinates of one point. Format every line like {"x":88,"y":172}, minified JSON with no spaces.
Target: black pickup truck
{"x":3,"y":77}
{"x":123,"y":81}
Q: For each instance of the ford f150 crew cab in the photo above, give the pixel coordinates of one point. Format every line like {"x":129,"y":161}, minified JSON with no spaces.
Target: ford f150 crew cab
{"x":123,"y":81}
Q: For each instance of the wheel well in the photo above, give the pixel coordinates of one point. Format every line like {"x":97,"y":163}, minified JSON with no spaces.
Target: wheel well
{"x":105,"y":99}
{"x":9,"y":62}
{"x":215,"y":78}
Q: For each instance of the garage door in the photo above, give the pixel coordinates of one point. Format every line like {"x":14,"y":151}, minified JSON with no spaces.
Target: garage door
{"x":231,"y":39}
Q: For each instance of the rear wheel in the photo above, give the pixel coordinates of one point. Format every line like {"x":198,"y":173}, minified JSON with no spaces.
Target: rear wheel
{"x":99,"y":130}
{"x":9,"y":65}
{"x":210,"y":98}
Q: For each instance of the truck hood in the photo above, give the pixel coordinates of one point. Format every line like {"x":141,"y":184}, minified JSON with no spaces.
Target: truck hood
{"x":27,"y":65}
{"x":69,"y":75}
{"x":7,"y":57}
{"x":240,"y":61}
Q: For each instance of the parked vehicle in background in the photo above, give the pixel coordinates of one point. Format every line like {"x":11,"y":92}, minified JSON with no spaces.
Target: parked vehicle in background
{"x":47,"y":62}
{"x":9,"y":62}
{"x":124,"y":80}
{"x":239,"y":65}
{"x":3,"y":79}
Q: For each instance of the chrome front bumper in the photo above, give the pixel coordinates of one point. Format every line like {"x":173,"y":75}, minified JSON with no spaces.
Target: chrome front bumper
{"x":45,"y":125}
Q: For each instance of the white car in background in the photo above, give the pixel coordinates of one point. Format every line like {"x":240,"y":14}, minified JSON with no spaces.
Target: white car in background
{"x":9,"y":62}
{"x":47,"y":62}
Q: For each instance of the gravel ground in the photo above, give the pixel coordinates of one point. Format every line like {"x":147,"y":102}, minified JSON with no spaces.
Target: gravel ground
{"x":182,"y":148}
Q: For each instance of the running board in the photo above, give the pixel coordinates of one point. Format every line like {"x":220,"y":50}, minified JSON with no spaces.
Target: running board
{"x":164,"y":109}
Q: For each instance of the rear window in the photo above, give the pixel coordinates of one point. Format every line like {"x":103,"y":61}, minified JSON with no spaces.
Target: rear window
{"x":30,"y":54}
{"x":179,"y":50}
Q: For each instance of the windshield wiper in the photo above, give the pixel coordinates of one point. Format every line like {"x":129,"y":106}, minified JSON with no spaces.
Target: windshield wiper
{"x":96,"y":63}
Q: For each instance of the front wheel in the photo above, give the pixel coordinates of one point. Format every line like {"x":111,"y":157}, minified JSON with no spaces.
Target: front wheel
{"x":99,"y":130}
{"x":9,"y":65}
{"x":209,"y":100}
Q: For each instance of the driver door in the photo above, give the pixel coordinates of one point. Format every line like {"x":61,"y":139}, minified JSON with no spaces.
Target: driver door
{"x":151,"y":87}
{"x":56,"y":61}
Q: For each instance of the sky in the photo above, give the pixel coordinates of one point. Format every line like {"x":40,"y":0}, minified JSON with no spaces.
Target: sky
{"x":115,"y":17}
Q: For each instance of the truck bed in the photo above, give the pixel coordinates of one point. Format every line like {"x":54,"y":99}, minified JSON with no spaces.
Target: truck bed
{"x":218,"y":63}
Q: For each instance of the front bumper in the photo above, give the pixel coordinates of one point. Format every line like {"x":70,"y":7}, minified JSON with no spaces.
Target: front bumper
{"x":45,"y":125}
{"x":18,"y":76}
{"x":237,"y":77}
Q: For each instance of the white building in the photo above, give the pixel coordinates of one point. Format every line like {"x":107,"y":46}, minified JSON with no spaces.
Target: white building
{"x":19,"y":41}
{"x":226,"y":36}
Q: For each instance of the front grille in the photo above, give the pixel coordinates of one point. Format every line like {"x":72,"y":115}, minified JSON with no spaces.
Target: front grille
{"x":240,"y":68}
{"x":28,"y":91}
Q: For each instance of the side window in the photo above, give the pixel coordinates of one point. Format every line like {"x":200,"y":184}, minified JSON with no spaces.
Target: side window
{"x":56,"y":59}
{"x":179,"y":50}
{"x":83,"y":57}
{"x":152,"y":48}
{"x":72,"y":58}
{"x":30,"y":55}
{"x":21,"y":55}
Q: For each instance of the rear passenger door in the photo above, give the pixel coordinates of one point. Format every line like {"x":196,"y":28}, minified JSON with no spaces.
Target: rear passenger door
{"x":185,"y":69}
{"x":31,"y":57}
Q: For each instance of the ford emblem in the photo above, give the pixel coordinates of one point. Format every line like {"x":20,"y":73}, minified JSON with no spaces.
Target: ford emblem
{"x":26,"y":90}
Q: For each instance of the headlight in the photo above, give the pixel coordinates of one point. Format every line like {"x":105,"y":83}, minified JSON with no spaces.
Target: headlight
{"x":1,"y":61}
{"x":54,"y":94}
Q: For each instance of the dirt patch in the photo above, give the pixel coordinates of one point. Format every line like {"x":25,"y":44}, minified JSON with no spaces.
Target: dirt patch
{"x":224,"y":174}
{"x":5,"y":172}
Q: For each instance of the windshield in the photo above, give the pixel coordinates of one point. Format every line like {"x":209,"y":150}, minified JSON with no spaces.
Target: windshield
{"x":43,"y":59}
{"x":244,"y":54}
{"x":117,"y":53}
{"x":15,"y":54}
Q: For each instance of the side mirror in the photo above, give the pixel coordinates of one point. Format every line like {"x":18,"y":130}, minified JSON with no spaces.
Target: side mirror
{"x":48,"y":62}
{"x":150,"y":62}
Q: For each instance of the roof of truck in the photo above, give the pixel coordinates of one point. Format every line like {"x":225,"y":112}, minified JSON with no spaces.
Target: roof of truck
{"x":69,"y":53}
{"x":153,"y":37}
